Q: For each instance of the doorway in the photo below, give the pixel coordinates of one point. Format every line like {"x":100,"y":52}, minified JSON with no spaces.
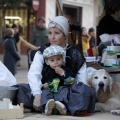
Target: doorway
{"x":73,"y":13}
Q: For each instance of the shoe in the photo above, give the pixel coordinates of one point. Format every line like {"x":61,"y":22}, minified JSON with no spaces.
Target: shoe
{"x":49,"y":107}
{"x":60,"y":107}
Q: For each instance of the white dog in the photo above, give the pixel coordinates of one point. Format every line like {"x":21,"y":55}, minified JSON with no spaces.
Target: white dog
{"x":107,"y":92}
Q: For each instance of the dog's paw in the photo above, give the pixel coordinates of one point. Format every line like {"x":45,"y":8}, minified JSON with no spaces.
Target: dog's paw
{"x":100,"y":107}
{"x":115,"y":112}
{"x":97,"y":106}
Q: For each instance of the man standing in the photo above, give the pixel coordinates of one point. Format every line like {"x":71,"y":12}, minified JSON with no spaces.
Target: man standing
{"x":39,"y":34}
{"x":92,"y":33}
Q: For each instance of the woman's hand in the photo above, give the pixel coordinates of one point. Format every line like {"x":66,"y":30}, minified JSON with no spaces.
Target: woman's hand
{"x":59,"y":70}
{"x":36,"y":102}
{"x":45,"y":86}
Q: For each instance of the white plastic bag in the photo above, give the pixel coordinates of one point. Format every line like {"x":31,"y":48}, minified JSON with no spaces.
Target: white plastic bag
{"x":106,"y":37}
{"x":6,"y":77}
{"x":117,"y":38}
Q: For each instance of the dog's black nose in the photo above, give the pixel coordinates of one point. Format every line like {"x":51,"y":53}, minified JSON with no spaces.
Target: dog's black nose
{"x":101,"y":84}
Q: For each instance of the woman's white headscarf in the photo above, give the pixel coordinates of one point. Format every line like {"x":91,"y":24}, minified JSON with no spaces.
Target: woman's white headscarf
{"x":59,"y":22}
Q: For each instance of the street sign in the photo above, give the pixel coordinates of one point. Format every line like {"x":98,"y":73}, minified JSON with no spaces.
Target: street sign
{"x":35,"y":4}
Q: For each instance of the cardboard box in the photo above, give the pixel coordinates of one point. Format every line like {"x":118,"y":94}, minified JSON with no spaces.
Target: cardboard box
{"x":12,"y":113}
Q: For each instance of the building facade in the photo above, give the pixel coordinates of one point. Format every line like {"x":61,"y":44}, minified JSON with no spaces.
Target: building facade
{"x":78,"y":12}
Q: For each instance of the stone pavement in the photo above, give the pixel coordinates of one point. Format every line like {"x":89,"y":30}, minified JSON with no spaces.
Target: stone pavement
{"x":21,"y":77}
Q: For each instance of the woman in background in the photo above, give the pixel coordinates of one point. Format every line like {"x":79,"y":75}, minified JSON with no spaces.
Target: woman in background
{"x":85,"y":40}
{"x":21,"y":42}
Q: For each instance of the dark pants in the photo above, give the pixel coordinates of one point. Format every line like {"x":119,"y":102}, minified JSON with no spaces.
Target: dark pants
{"x":24,"y":96}
{"x":61,"y":95}
{"x":82,"y":98}
{"x":79,"y":97}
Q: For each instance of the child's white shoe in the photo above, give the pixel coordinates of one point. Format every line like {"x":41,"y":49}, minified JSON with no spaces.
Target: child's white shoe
{"x":60,"y":107}
{"x":49,"y":107}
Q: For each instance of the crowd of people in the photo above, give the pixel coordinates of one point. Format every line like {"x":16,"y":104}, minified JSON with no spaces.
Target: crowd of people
{"x":39,"y":32}
{"x":39,"y":37}
{"x":88,"y":39}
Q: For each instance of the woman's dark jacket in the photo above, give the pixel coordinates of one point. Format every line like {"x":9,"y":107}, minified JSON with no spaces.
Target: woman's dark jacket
{"x":11,"y":55}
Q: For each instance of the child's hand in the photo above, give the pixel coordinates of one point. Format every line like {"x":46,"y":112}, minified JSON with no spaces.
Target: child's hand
{"x":45,"y":86}
{"x":59,"y":70}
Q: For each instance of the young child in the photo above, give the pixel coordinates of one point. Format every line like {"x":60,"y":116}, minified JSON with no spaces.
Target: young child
{"x":11,"y":55}
{"x":55,"y":74}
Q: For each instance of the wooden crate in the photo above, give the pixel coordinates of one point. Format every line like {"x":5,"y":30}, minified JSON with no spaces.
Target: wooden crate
{"x":11,"y":113}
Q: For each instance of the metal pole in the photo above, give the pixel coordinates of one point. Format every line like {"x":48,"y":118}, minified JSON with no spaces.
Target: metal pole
{"x":59,"y":7}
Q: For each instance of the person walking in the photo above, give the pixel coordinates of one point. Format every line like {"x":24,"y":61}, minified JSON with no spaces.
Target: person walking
{"x":93,"y":49}
{"x":21,"y":42}
{"x":92,"y":34}
{"x":85,"y":40}
{"x":39,"y":35}
{"x":11,"y":55}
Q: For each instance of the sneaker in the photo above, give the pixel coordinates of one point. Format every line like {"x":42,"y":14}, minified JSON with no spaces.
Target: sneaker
{"x":49,"y":107}
{"x":60,"y":107}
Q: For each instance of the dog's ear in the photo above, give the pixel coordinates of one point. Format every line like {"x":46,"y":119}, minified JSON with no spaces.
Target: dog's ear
{"x":90,"y":72}
{"x":90,"y":78}
{"x":111,"y":82}
{"x":89,"y":82}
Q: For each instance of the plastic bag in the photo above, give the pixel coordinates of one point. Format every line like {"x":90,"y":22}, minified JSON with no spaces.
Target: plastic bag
{"x":6,"y":77}
{"x":54,"y":85}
